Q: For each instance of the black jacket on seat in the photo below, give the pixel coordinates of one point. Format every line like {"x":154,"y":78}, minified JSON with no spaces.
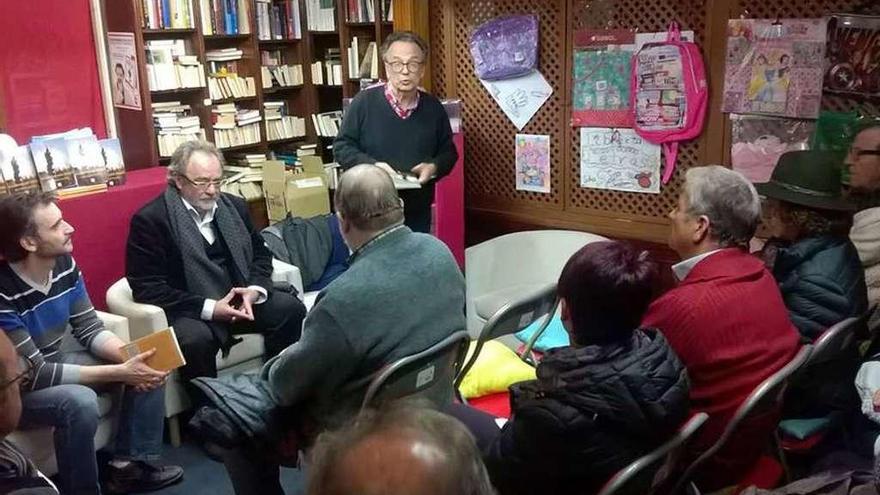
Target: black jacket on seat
{"x":591,"y":411}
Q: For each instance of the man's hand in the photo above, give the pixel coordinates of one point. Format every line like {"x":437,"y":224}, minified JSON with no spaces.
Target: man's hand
{"x":384,"y":166}
{"x":248,"y":298}
{"x":138,"y":374}
{"x":226,"y":310}
{"x":425,"y":172}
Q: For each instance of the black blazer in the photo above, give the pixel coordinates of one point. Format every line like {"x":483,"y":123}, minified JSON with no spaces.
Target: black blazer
{"x":154,"y":267}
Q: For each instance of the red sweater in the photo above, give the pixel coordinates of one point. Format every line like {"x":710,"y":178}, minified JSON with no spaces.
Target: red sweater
{"x":728,"y":324}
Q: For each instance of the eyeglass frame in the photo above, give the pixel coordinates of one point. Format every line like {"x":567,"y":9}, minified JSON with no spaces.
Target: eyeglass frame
{"x":29,"y":367}
{"x":420,"y":64}
{"x":204,"y":186}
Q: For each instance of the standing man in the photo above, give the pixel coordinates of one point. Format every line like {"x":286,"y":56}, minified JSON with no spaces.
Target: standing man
{"x":42,"y":296}
{"x":863,"y":161}
{"x":193,"y":252}
{"x":726,"y":319}
{"x":400,"y":128}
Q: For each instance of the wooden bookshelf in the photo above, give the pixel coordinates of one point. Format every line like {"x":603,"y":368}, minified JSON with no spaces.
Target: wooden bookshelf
{"x":136,"y":129}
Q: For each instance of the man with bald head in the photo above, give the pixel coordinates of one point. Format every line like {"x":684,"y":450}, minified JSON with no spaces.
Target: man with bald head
{"x":863,"y":160}
{"x":401,"y":450}
{"x":402,"y":293}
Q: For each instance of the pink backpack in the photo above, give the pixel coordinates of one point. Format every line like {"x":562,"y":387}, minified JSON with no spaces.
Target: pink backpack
{"x":669,"y":94}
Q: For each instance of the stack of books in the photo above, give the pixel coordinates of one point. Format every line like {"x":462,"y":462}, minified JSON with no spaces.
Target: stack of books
{"x":278,"y":21}
{"x":225,"y":17}
{"x":169,"y":67}
{"x":244,"y":176}
{"x":320,"y":15}
{"x":234,"y":126}
{"x":225,"y":83}
{"x":279,"y":125}
{"x":175,"y":125}
{"x":167,"y":14}
{"x":363,"y":59}
{"x":277,"y":73}
{"x":333,"y":67}
{"x":327,"y":124}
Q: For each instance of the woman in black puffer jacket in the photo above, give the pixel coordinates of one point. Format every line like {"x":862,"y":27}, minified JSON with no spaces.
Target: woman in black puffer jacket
{"x":612,"y":396}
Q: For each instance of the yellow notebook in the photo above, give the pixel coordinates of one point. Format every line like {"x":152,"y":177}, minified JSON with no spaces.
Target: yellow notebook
{"x":168,"y":355}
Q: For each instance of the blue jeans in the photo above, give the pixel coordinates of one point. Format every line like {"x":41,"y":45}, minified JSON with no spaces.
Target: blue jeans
{"x":72,"y":410}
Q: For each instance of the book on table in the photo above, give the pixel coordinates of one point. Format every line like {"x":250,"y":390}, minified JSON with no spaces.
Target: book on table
{"x":168,"y":355}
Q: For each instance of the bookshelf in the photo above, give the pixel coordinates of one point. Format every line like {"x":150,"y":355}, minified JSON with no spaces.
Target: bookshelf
{"x":257,"y":37}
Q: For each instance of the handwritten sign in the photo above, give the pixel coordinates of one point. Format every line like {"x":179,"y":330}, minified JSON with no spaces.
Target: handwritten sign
{"x":619,"y":159}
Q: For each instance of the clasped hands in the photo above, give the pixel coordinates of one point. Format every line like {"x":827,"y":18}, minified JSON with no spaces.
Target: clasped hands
{"x":424,"y":171}
{"x":237,"y":305}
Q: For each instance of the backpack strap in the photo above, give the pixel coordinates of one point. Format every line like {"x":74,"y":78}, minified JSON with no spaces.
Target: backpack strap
{"x":670,"y":152}
{"x":673,"y":33}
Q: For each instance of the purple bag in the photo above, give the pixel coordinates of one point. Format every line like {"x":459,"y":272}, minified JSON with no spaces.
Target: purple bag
{"x":505,"y":47}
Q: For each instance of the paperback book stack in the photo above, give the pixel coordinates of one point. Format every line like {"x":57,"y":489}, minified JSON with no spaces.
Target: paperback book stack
{"x":279,"y":125}
{"x":175,"y":124}
{"x":327,"y":124}
{"x":236,"y":127}
{"x":244,"y":176}
{"x":169,"y":67}
{"x":276,"y":73}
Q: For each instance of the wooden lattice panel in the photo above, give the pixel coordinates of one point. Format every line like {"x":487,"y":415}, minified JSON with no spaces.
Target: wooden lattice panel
{"x":645,"y":16}
{"x":439,"y":49}
{"x":489,"y":142}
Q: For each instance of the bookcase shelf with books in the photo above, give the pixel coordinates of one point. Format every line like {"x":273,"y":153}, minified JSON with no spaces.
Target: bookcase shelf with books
{"x":254,"y":61}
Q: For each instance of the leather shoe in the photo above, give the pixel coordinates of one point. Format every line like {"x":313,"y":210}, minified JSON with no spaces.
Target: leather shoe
{"x":141,"y":476}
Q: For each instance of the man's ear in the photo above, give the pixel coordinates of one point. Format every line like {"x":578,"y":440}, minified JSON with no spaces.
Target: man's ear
{"x":701,"y":229}
{"x":344,"y":225}
{"x":28,"y":243}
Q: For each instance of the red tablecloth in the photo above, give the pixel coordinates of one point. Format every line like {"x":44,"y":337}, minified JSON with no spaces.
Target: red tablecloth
{"x":101,"y":228}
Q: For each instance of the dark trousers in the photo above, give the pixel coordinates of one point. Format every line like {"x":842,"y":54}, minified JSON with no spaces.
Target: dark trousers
{"x":482,"y":425}
{"x":279,"y":319}
{"x":418,"y":219}
{"x":252,"y":473}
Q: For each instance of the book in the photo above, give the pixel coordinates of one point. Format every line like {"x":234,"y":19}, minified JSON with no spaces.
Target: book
{"x":50,"y":158}
{"x":405,"y":180}
{"x":168,"y":355}
{"x":84,"y":157}
{"x":111,"y":155}
{"x":18,"y":171}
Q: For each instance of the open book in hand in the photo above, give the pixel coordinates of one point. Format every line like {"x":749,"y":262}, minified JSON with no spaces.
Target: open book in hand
{"x":168,"y":355}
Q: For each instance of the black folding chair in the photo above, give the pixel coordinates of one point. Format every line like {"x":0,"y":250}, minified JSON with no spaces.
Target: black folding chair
{"x":511,"y":318}
{"x":651,"y":470}
{"x":414,"y":374}
{"x":766,"y":398}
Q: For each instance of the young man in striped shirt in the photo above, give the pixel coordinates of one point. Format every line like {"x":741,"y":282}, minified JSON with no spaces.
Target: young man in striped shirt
{"x":42,"y":297}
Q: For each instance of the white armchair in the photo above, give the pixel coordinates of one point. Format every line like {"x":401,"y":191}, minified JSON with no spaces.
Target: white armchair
{"x":243,"y":357}
{"x":510,"y":266}
{"x":38,"y":444}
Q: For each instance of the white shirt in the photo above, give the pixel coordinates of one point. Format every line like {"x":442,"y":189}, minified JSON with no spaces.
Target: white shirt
{"x":206,"y":227}
{"x":684,"y":267}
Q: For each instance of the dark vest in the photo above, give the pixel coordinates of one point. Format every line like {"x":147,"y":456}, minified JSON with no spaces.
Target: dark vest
{"x":220,"y":255}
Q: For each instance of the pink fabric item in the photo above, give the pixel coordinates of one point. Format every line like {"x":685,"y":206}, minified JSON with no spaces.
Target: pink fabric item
{"x":101,"y":222}
{"x":400,"y":110}
{"x":449,"y":205}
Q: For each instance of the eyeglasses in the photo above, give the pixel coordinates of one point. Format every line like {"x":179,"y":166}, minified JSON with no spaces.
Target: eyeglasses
{"x":203,"y":184}
{"x":853,"y":151}
{"x":29,"y":367}
{"x":411,"y":66}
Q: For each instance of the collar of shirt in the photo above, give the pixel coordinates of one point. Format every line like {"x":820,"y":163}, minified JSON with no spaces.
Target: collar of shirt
{"x":399,"y":109}
{"x":203,"y":223}
{"x":683,"y":268}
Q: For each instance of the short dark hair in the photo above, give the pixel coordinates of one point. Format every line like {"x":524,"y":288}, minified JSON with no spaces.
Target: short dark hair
{"x":17,"y":221}
{"x":607,"y":287}
{"x":463,"y":467}
{"x":406,"y":36}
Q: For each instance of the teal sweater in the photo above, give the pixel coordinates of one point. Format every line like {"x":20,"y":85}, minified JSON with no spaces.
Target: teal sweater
{"x":403,"y":293}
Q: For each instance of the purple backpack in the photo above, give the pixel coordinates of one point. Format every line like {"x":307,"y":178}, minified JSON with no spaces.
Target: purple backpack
{"x":505,"y":47}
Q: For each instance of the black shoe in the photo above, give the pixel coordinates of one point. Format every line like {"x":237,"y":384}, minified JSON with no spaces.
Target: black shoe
{"x":140,"y":476}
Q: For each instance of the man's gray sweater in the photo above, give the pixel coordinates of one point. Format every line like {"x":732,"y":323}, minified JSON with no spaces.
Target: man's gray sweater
{"x":403,"y":293}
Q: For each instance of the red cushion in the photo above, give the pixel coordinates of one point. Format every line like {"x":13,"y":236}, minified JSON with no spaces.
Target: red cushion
{"x":495,"y":404}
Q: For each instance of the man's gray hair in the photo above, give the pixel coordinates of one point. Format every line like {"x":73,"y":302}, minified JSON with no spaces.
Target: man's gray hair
{"x":462,"y":466}
{"x":181,"y":156}
{"x":727,"y":199}
{"x":366,"y":197}
{"x":406,"y":37}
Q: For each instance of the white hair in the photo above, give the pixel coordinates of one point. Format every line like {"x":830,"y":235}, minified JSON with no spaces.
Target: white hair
{"x":727,"y":199}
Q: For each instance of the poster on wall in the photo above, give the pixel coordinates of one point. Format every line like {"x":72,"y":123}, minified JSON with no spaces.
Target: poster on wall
{"x":521,"y":97}
{"x":759,"y":141}
{"x":774,"y":67}
{"x":532,"y":163}
{"x":619,"y":159}
{"x":124,"y":82}
{"x":601,"y":77}
{"x":853,"y":54}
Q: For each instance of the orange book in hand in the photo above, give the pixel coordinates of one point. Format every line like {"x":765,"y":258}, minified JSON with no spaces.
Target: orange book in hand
{"x":168,"y":355}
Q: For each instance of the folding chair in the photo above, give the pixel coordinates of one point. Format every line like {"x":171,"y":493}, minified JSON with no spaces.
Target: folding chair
{"x":412,"y":375}
{"x":832,"y":343}
{"x":652,"y":469}
{"x":764,"y":399}
{"x":511,"y":318}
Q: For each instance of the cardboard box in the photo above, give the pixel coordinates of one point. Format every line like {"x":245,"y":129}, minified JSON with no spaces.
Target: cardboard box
{"x":301,"y":193}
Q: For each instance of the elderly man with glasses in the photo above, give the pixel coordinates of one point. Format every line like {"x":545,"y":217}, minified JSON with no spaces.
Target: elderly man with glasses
{"x":194,"y":252}
{"x":400,"y":128}
{"x":863,"y":161}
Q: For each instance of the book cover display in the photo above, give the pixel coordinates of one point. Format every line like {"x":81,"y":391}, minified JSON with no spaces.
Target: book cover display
{"x":774,"y":67}
{"x":84,"y":156}
{"x":50,"y":158}
{"x":16,"y":168}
